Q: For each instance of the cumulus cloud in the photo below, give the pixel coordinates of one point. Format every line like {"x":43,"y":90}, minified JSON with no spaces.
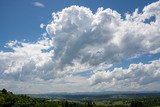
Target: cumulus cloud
{"x":135,"y":77}
{"x":38,"y":4}
{"x":104,"y":37}
{"x":28,"y":61}
{"x":80,"y":40}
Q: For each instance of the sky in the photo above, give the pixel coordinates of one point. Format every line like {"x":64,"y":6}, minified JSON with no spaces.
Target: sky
{"x":79,"y":45}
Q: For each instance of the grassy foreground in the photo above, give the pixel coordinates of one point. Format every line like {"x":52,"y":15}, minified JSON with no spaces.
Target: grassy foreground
{"x":8,"y":99}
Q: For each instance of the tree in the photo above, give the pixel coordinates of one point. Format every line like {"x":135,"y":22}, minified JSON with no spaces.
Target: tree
{"x":2,"y":101}
{"x":4,"y":91}
{"x":136,"y":104}
{"x":66,"y":103}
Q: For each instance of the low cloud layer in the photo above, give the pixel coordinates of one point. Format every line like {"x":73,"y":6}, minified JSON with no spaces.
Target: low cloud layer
{"x":136,"y":77}
{"x":79,"y":40}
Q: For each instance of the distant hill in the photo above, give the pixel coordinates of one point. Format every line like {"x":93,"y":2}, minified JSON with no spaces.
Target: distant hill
{"x":97,"y":95}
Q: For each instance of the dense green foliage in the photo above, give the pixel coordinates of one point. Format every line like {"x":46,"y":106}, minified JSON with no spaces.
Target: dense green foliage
{"x":8,"y":99}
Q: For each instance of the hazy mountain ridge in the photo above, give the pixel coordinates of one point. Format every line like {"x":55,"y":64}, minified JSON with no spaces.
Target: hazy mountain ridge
{"x":97,"y":95}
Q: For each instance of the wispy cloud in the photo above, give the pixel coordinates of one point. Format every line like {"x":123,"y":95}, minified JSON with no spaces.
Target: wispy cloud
{"x":38,"y":4}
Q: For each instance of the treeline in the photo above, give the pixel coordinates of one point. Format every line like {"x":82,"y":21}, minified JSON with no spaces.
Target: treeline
{"x":8,"y":99}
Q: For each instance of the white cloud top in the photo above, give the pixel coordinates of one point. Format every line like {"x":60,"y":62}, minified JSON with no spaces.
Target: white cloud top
{"x":80,"y":40}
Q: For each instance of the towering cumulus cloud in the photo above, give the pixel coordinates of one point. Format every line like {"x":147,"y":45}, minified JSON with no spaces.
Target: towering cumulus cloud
{"x":80,"y":40}
{"x":104,"y":37}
